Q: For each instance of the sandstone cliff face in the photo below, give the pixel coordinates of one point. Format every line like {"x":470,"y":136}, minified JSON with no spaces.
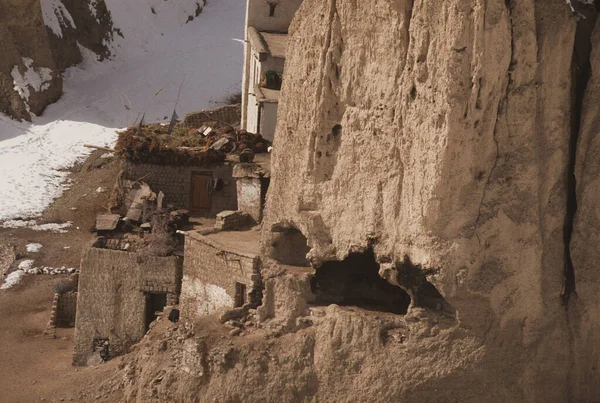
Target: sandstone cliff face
{"x":457,"y":140}
{"x":441,"y":134}
{"x":34,"y":54}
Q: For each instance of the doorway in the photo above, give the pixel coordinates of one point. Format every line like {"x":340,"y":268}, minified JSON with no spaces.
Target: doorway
{"x":240,"y":294}
{"x":200,"y":199}
{"x":155,"y":302}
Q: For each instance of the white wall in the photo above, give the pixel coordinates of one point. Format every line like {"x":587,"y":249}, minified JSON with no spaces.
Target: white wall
{"x":268,"y":120}
{"x":254,"y":73}
{"x":253,"y":119}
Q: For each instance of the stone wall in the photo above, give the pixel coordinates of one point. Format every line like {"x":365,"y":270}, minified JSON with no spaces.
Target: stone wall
{"x":210,"y":274}
{"x":249,"y":196}
{"x":175,"y":182}
{"x":227,"y":114}
{"x":231,"y":220}
{"x":112,"y":301}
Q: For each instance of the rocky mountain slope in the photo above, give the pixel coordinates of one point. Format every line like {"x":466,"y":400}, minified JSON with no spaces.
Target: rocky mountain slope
{"x":40,"y":39}
{"x":456,"y":140}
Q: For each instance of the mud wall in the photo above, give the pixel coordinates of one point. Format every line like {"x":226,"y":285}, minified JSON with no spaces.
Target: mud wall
{"x":210,"y":274}
{"x":111,"y":303}
{"x":228,"y":114}
{"x":176,"y":181}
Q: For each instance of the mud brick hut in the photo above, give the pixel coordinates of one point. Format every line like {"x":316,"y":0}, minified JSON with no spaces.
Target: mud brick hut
{"x":119,"y":295}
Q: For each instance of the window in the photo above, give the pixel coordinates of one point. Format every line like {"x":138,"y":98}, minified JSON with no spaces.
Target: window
{"x":272,"y":5}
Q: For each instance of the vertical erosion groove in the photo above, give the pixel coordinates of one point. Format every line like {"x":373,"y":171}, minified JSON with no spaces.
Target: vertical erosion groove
{"x":581,"y":70}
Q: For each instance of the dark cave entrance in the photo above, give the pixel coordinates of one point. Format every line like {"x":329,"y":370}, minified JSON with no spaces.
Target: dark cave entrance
{"x":355,"y":281}
{"x":155,"y":302}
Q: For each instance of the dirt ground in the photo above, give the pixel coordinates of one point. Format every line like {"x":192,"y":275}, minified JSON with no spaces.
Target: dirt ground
{"x":35,"y":367}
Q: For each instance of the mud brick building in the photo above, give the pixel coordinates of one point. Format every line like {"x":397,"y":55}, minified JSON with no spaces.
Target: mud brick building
{"x":252,"y":183}
{"x":227,"y":114}
{"x":202,"y":191}
{"x":119,"y":294}
{"x":221,"y":270}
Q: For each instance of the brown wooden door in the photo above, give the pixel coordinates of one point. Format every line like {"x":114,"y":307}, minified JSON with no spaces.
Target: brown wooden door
{"x":199,"y":198}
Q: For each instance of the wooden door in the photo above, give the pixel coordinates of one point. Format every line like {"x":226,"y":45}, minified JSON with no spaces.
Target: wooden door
{"x":200,"y":199}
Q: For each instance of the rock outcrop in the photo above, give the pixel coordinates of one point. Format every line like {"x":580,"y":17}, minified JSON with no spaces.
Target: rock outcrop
{"x":41,"y":38}
{"x":442,"y":135}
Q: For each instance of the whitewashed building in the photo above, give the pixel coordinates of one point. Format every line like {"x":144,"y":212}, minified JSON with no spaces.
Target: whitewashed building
{"x":267,"y":23}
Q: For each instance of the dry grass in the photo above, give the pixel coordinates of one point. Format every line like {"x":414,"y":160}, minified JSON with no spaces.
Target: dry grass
{"x":153,"y":145}
{"x":162,"y":241}
{"x":184,"y":146}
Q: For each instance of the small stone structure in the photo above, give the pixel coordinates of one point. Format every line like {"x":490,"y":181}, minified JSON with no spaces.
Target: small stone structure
{"x":64,"y":309}
{"x":218,"y":276}
{"x":231,"y":220}
{"x":252,"y":184}
{"x":227,"y":114}
{"x":177,"y":184}
{"x":119,"y":293}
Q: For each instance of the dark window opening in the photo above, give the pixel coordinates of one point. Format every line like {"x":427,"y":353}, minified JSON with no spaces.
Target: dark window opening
{"x":272,"y":9}
{"x":155,"y":303}
{"x":271,"y":80}
{"x":337,"y":130}
{"x":289,"y":246}
{"x":240,"y":294}
{"x":355,"y":281}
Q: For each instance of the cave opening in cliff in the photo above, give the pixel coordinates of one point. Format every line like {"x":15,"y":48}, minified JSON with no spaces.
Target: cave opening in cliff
{"x":289,"y":246}
{"x":355,"y":281}
{"x":581,"y":72}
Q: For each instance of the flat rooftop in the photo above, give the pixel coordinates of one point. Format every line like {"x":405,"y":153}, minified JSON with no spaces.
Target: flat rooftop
{"x":276,"y":43}
{"x":245,"y":243}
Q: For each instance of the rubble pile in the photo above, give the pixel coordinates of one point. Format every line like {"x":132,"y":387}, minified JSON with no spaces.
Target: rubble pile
{"x":50,"y":270}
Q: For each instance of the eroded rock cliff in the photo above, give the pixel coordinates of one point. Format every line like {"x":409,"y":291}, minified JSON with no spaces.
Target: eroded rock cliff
{"x":442,"y":134}
{"x":40,"y":38}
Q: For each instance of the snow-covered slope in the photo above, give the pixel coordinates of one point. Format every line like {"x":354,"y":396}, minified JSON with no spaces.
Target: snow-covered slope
{"x":158,"y":51}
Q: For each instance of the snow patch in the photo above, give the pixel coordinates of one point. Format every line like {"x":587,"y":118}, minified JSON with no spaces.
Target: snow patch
{"x":54,"y":227}
{"x":26,"y":264}
{"x":50,"y":270}
{"x":36,"y":78}
{"x":12,"y":279}
{"x":56,"y":16}
{"x":93,"y":5}
{"x":34,"y":247}
{"x":57,"y":228}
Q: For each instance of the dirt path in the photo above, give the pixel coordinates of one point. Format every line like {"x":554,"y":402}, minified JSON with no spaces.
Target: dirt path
{"x":36,"y":367}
